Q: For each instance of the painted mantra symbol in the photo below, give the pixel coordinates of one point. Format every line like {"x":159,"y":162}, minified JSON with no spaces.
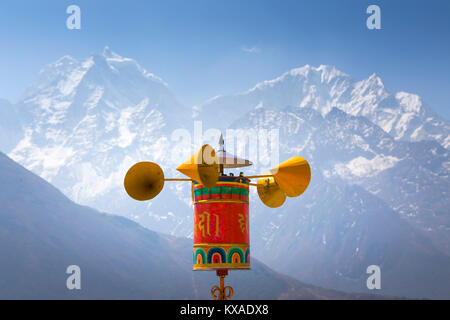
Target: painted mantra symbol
{"x":243,"y":223}
{"x":201,"y":223}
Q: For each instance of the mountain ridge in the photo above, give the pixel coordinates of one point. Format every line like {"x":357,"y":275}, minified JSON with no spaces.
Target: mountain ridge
{"x":403,"y":115}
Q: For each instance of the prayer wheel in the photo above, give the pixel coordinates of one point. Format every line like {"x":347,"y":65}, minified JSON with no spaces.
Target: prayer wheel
{"x":221,"y":225}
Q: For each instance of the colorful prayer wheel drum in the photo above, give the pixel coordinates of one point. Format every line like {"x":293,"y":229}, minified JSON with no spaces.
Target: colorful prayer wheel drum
{"x":221,"y":225}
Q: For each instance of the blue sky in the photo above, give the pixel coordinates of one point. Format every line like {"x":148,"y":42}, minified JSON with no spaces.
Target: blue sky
{"x":199,"y":46}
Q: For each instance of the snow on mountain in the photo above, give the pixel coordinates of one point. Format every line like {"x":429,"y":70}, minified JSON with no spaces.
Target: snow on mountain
{"x":401,"y":114}
{"x":363,"y":167}
{"x":86,"y":122}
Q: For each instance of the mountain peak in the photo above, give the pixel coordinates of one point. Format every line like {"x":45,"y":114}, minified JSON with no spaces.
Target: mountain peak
{"x":107,"y":51}
{"x":64,"y":61}
{"x":116,"y":61}
{"x":110,"y":55}
{"x":331,"y":71}
{"x":324,"y":72}
{"x":373,"y":84}
{"x":374,"y":79}
{"x":321,"y":74}
{"x":302,"y":71}
{"x":328,"y":70}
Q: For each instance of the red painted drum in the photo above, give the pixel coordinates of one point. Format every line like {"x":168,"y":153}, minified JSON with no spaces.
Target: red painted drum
{"x":221,"y":225}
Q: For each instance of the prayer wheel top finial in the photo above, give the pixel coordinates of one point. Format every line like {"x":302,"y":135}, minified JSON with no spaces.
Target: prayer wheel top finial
{"x":221,"y":143}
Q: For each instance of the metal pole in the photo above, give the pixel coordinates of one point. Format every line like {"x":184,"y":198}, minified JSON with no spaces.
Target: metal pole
{"x":222,"y":292}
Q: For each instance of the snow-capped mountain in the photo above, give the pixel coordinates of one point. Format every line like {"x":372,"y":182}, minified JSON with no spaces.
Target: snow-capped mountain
{"x":378,"y":159}
{"x":86,"y":122}
{"x":403,"y":115}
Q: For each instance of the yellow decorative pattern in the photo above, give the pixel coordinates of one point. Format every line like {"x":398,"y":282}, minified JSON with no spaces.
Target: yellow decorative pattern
{"x":211,"y":266}
{"x":221,"y":200}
